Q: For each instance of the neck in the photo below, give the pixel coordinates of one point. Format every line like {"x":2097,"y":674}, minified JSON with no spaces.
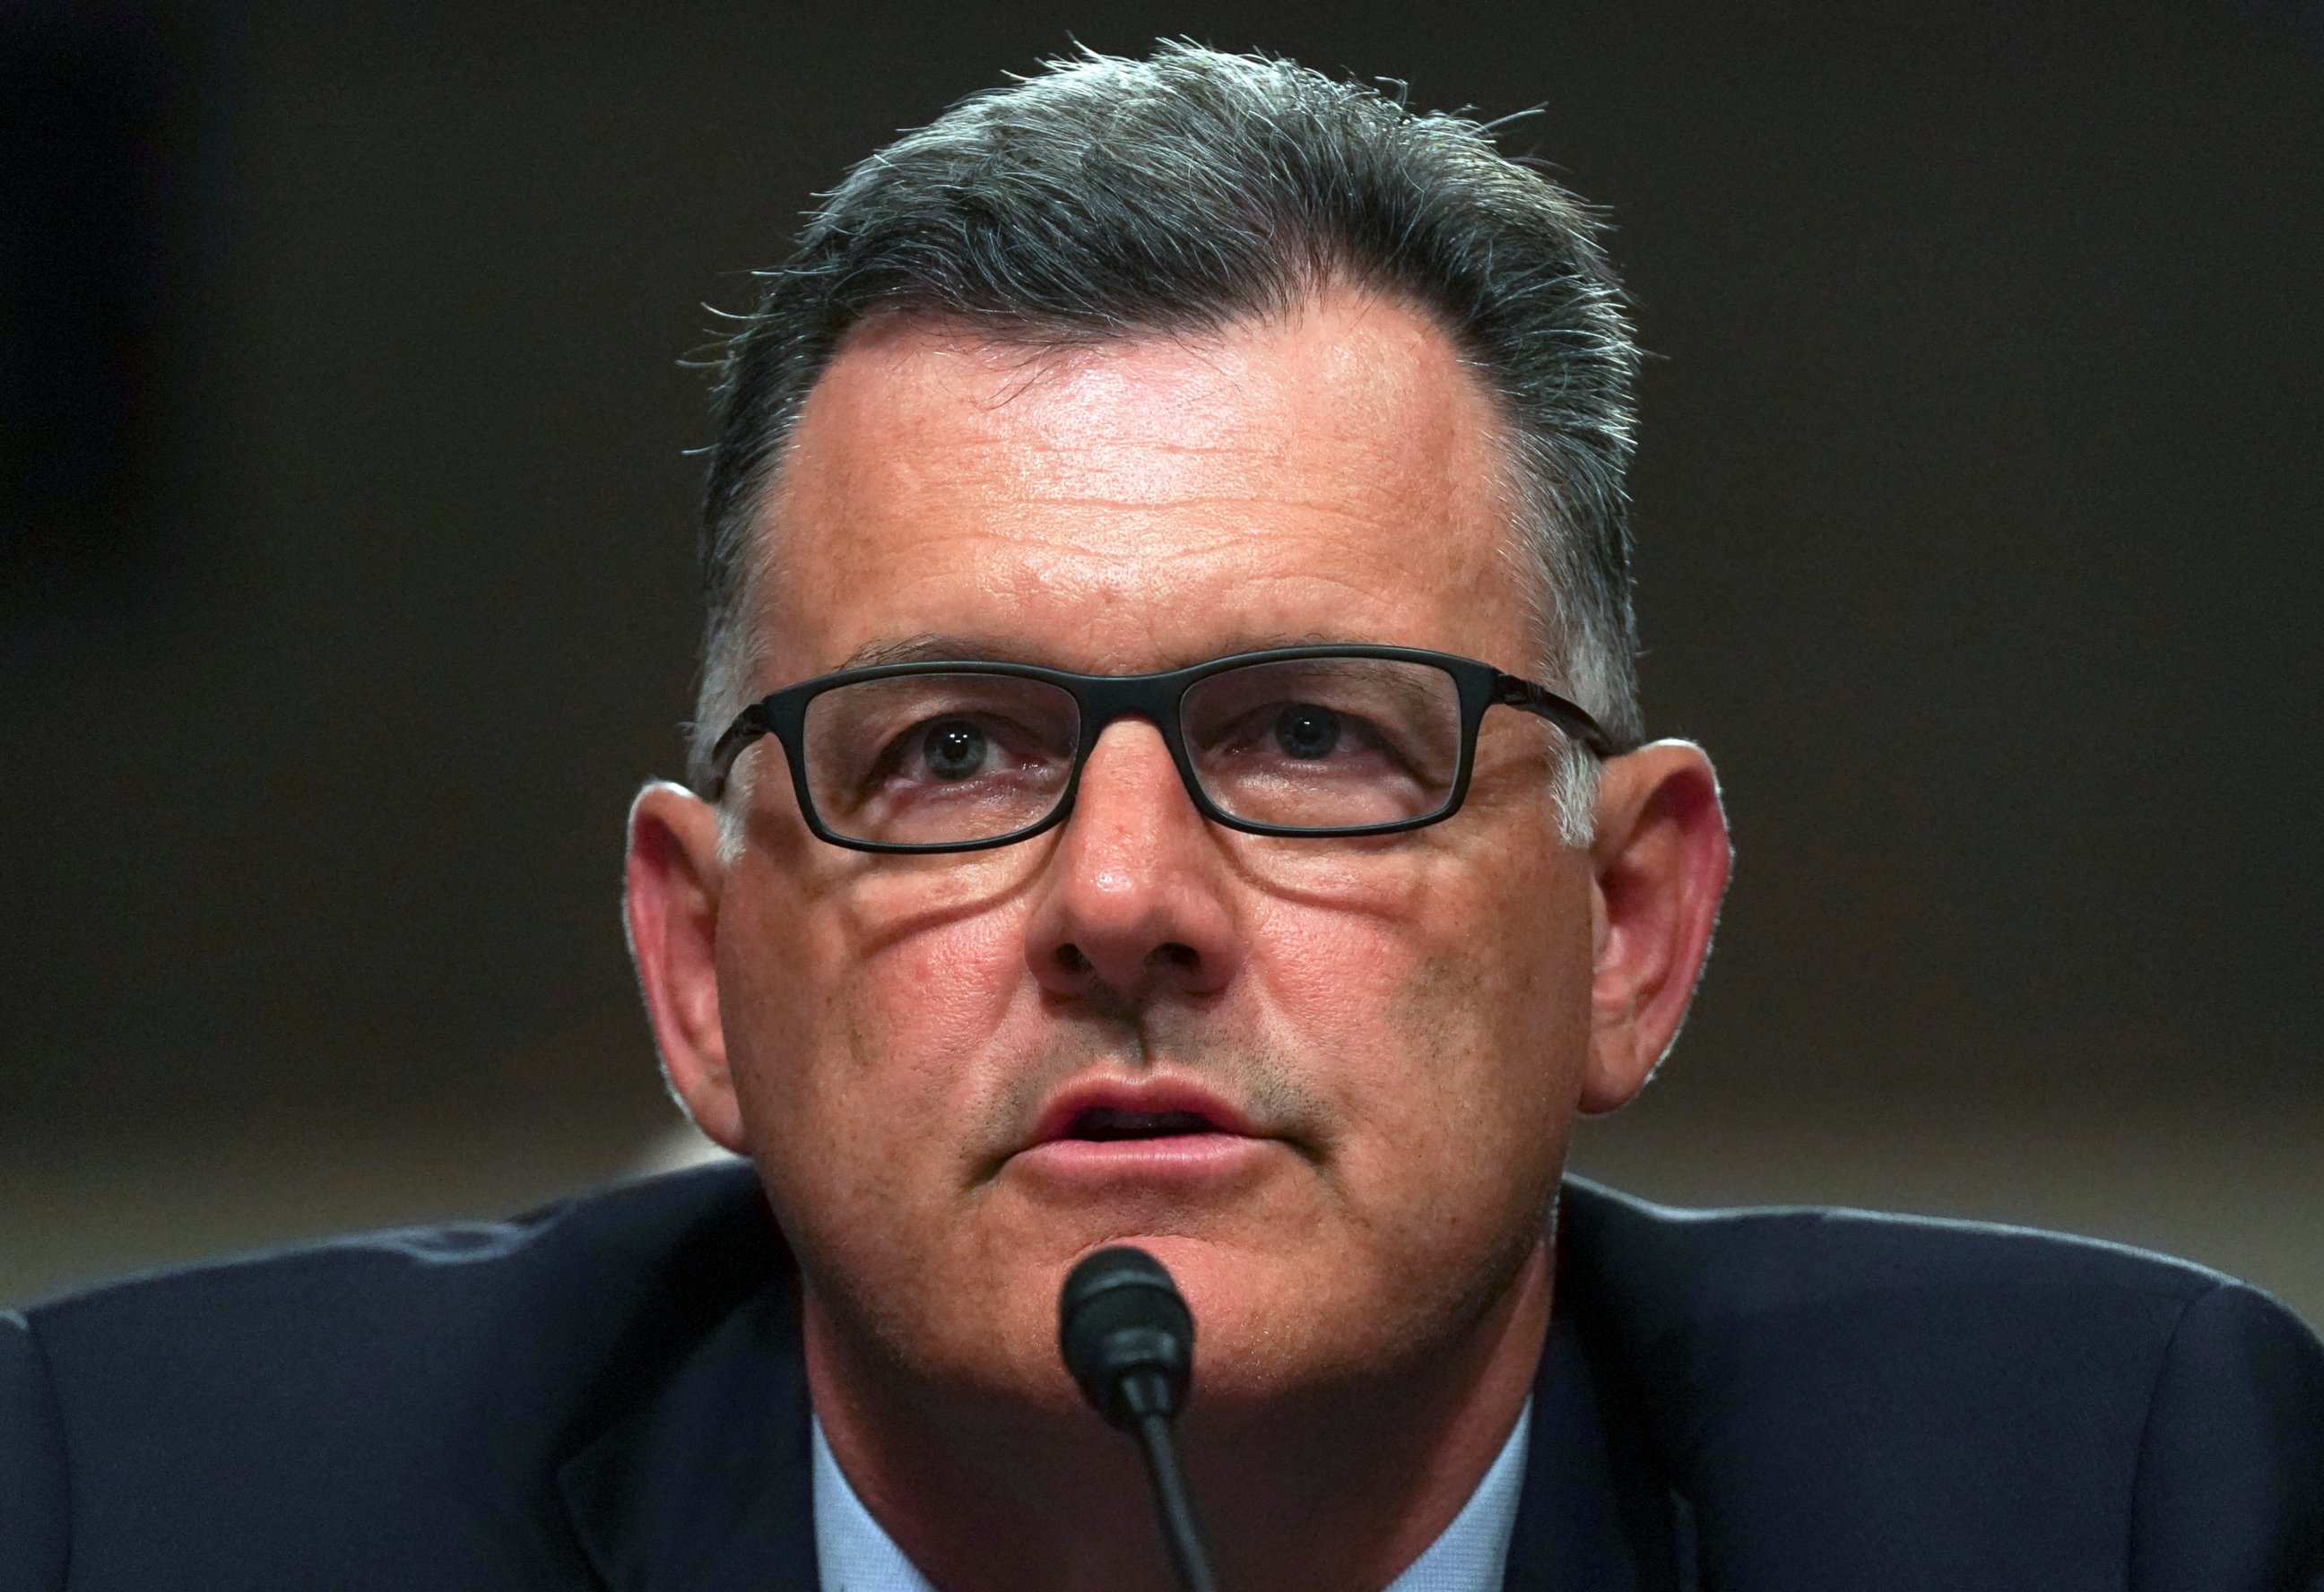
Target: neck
{"x":1326,"y":1488}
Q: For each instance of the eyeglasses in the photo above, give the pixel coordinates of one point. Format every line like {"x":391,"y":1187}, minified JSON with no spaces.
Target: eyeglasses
{"x":1293,"y":741}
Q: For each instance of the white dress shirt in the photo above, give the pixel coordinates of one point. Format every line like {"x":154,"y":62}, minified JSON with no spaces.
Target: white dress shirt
{"x":853,"y":1554}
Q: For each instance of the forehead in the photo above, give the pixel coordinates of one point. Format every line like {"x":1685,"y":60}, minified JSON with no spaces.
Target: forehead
{"x":1333,"y":472}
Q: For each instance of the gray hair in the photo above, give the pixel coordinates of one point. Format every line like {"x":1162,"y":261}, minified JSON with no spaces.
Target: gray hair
{"x":1104,"y":198}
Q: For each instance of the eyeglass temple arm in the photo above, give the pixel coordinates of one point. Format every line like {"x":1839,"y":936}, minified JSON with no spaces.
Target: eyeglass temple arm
{"x":1512,"y":691}
{"x":745,"y":729}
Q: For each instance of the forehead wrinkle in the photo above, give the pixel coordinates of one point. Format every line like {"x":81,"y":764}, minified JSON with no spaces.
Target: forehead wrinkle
{"x":1363,"y":514}
{"x":1098,"y":535}
{"x":968,"y":646}
{"x":1155,"y":398}
{"x":1127,"y":479}
{"x":1107,"y":472}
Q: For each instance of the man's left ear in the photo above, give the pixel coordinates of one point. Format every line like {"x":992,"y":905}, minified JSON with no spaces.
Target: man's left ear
{"x":1659,"y":858}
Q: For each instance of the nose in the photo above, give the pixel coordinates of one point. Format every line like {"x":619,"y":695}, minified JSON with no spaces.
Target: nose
{"x":1134,"y":900}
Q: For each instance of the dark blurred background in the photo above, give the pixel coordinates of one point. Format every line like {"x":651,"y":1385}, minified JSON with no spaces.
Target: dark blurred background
{"x":346,"y":577}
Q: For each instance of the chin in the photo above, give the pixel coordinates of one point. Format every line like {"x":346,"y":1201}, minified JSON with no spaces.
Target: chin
{"x":1269,"y":1326}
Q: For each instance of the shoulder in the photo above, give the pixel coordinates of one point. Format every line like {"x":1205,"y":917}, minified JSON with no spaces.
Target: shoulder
{"x":580,"y":1270}
{"x":2058,"y":1398}
{"x":435,"y":1372}
{"x":1700,"y":1266}
{"x":1741,"y":1295}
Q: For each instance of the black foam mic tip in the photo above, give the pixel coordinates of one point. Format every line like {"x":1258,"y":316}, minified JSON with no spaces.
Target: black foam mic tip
{"x":1126,"y":1335}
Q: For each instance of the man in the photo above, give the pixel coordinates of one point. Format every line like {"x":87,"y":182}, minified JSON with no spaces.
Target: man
{"x":1167,"y":773}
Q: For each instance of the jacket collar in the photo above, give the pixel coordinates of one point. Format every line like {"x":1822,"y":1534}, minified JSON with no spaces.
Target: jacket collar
{"x":1599,"y":1512}
{"x":1596,"y":1514}
{"x":703,"y":1484}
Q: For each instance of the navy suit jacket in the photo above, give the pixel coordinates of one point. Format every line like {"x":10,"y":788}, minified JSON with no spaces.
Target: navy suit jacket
{"x":610,"y":1393}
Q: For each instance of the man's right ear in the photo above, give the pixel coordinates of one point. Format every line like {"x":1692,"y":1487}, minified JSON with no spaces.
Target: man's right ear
{"x":673,"y":879}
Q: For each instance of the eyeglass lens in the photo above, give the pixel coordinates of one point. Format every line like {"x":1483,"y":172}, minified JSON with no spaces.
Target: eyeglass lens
{"x":1309,"y":744}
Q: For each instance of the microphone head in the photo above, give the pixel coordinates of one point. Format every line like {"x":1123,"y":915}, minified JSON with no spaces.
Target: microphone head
{"x":1126,"y":1335}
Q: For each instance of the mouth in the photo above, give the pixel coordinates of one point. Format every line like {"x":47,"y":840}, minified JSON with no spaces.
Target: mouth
{"x":1120,"y":1133}
{"x":1106,"y":1124}
{"x":1118,"y":1110}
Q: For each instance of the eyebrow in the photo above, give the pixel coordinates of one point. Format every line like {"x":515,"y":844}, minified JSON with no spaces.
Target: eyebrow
{"x":932,"y":648}
{"x":940,"y":648}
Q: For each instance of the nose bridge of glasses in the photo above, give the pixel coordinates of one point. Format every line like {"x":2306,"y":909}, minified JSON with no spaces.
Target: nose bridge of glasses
{"x":1105,"y":701}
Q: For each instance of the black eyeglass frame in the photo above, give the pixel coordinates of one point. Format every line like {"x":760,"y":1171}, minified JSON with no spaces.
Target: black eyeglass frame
{"x":1158,"y":698}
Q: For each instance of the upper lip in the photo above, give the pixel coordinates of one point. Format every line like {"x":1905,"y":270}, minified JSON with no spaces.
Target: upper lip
{"x":1090,"y":1103}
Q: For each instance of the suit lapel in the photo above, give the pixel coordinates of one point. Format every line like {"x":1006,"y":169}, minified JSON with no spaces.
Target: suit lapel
{"x":1597,"y":1513}
{"x":705,"y":1483}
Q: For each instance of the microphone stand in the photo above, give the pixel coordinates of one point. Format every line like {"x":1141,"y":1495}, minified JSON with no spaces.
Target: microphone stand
{"x":1129,"y":1338}
{"x":1174,"y":1506}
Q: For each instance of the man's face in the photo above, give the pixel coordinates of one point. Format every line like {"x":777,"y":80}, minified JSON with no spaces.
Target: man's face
{"x":1378,"y":1041}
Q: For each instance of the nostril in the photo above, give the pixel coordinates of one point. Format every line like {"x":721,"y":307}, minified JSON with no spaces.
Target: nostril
{"x":1177,"y":954}
{"x":1070,"y":958}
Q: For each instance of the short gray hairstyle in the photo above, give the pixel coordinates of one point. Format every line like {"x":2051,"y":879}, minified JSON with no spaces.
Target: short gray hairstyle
{"x":1104,"y":198}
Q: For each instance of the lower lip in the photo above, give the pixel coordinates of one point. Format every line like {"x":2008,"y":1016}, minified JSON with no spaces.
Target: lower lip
{"x":1172,"y":1158}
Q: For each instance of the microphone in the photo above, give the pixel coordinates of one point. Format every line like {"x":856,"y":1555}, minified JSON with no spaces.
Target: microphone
{"x":1128,"y":1339}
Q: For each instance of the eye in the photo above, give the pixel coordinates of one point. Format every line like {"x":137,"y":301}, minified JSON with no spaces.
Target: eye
{"x":1306,"y":731}
{"x":953,"y":748}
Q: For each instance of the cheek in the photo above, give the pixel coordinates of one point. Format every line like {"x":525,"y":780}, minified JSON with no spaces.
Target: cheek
{"x":1444,"y":1014}
{"x":853,"y":1029}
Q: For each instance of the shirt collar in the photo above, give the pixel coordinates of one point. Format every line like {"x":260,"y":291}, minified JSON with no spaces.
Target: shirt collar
{"x":853,"y":1554}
